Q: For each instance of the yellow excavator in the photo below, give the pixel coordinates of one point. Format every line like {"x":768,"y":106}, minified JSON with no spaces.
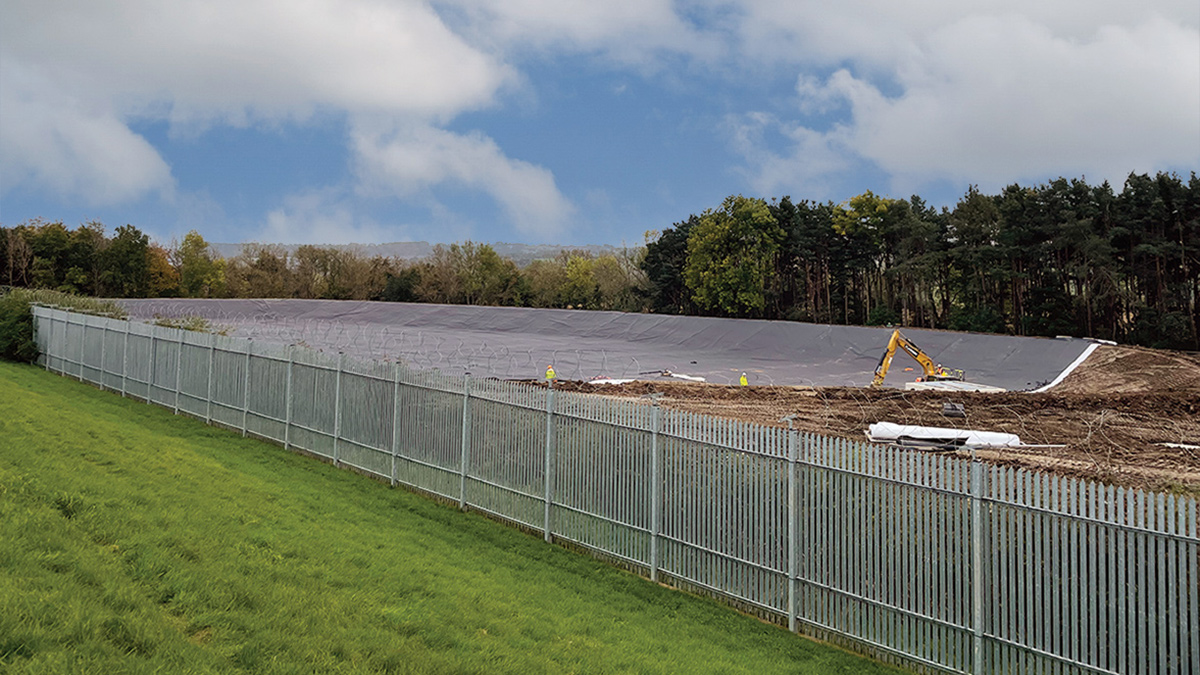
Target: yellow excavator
{"x":933,"y":371}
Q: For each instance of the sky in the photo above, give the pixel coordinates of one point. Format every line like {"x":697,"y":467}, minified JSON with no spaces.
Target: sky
{"x":568,"y":121}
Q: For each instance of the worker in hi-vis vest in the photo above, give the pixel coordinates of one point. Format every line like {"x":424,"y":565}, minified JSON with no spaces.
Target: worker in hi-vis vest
{"x":550,"y":376}
{"x":744,"y":381}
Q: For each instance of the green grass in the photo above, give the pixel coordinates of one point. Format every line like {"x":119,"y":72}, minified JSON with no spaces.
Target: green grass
{"x":135,"y":541}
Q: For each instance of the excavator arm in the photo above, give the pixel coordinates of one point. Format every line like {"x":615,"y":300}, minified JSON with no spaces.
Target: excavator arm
{"x":933,"y":371}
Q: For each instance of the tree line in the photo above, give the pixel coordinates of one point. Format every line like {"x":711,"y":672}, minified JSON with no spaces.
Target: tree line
{"x":1064,"y":257}
{"x":127,"y":264}
{"x":1060,"y":258}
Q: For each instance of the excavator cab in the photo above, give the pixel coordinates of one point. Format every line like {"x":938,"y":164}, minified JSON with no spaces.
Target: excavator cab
{"x":933,"y":371}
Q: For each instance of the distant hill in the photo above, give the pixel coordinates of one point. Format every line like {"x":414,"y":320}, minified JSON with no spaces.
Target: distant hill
{"x":521,"y":254}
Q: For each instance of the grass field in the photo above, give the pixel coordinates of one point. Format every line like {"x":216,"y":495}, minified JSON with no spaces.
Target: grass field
{"x":136,"y":541}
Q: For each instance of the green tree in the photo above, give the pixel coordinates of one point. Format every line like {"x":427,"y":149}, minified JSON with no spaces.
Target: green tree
{"x":338,"y":274}
{"x":471,"y":274}
{"x":919,"y":271}
{"x":545,"y":283}
{"x":18,"y":256}
{"x":810,"y":264}
{"x":401,"y":285}
{"x":983,"y":265}
{"x":126,"y":264}
{"x":50,"y":244}
{"x":870,"y":227}
{"x":164,"y":278}
{"x":580,"y":290}
{"x":620,"y":282}
{"x":84,"y":259}
{"x":731,"y":251}
{"x":260,"y":271}
{"x":664,"y":263}
{"x":488,"y":278}
{"x":200,"y":275}
{"x":5,"y":256}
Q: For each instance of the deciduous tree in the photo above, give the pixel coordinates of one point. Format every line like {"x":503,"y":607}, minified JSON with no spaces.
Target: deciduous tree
{"x":730,"y":253}
{"x":201,"y":274}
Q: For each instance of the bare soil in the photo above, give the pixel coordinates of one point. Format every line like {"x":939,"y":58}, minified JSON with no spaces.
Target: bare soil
{"x":1108,"y":420}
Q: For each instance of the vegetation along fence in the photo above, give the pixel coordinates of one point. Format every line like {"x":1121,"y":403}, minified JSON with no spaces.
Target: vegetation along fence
{"x":935,"y":562}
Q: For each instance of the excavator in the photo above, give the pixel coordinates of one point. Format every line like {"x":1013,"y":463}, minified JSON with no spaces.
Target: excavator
{"x":933,"y":371}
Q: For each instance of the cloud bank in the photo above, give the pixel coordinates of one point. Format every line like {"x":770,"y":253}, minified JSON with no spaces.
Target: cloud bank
{"x":198,"y":63}
{"x":985,"y":92}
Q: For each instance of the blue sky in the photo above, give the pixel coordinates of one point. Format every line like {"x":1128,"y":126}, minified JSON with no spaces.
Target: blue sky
{"x":569,"y":122}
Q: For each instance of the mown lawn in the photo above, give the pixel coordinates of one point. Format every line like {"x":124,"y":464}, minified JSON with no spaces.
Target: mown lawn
{"x":132,"y":540}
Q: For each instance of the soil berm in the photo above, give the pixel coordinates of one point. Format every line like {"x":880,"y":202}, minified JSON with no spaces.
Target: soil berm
{"x":1127,"y":416}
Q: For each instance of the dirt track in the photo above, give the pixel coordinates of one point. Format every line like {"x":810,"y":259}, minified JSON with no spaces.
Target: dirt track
{"x":1111,"y":415}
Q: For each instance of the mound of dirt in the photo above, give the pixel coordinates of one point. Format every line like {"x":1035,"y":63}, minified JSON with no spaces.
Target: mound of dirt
{"x":1126,"y":416}
{"x":1134,"y":370}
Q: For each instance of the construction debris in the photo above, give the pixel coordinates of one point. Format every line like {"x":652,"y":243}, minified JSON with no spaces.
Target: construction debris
{"x":681,"y":376}
{"x":949,"y":385}
{"x":953,"y":410}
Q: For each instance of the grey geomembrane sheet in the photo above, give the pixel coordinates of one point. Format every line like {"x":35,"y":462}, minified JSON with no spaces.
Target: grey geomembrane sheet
{"x":518,"y":343}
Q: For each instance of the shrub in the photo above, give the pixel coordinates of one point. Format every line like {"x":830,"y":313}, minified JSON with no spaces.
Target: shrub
{"x":982,"y":319}
{"x":882,"y":315}
{"x":75,"y":303}
{"x":195,"y":323}
{"x":16,"y":328}
{"x":16,"y":318}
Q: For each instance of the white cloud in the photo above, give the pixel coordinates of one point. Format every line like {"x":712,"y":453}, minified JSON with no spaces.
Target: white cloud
{"x":324,"y":216}
{"x":407,"y":159}
{"x":204,"y":62}
{"x":816,"y":96}
{"x":985,"y":93}
{"x":233,"y":59}
{"x":1005,"y":99}
{"x":628,"y":31}
{"x":809,"y":167}
{"x":882,"y":35}
{"x":52,"y":141}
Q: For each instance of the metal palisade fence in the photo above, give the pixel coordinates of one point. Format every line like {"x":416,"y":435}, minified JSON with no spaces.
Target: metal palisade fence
{"x":934,"y":562}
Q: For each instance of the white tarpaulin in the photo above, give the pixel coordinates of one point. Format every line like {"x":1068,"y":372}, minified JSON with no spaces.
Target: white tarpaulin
{"x":903,"y":434}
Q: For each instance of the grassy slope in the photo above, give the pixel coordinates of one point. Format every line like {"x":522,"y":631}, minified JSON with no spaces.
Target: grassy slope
{"x":135,"y":541}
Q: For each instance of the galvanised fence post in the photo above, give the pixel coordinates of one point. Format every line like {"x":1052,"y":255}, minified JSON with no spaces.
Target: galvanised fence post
{"x":287,"y":403}
{"x":103,"y":349}
{"x":153,"y":358}
{"x":178,"y":370}
{"x":82,"y":338}
{"x":977,"y":665}
{"x":65,"y":358}
{"x":246,"y":388}
{"x":337,"y":409}
{"x":395,"y":419}
{"x":792,"y":509}
{"x":212,"y":352}
{"x":49,"y":342}
{"x":656,"y":495}
{"x":64,"y":354}
{"x":466,"y":442}
{"x":549,"y":468}
{"x":124,"y":358}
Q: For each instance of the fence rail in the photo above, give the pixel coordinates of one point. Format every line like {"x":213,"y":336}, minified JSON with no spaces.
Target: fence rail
{"x":933,"y":562}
